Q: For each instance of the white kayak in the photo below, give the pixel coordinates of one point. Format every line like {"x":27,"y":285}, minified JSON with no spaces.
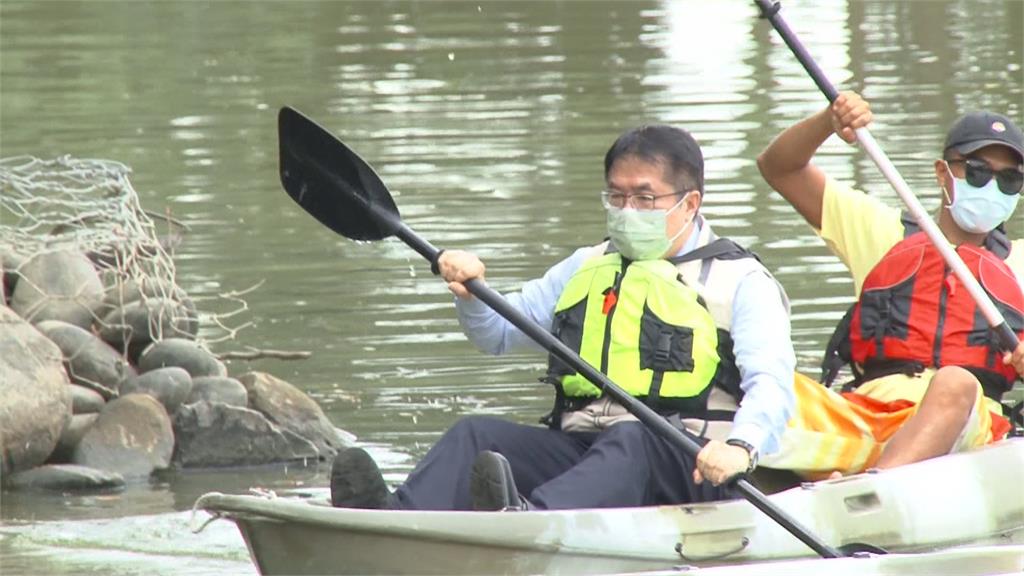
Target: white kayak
{"x":974,"y":498}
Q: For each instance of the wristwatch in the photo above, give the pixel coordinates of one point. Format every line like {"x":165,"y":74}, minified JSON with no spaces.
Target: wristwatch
{"x":751,"y":452}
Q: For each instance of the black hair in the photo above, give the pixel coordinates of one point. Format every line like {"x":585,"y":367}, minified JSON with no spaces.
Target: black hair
{"x":662,"y":144}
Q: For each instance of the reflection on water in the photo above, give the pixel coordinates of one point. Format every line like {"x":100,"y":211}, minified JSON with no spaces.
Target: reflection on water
{"x":488,"y":122}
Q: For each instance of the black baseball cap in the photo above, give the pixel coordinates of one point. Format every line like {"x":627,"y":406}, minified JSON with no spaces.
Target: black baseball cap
{"x":976,"y":130}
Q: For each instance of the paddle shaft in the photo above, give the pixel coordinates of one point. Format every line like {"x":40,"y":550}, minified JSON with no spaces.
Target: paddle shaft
{"x":649,"y":417}
{"x":1007,"y":338}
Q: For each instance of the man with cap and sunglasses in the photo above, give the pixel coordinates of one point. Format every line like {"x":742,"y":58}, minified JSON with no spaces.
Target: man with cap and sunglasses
{"x":688,"y":323}
{"x":928,"y":372}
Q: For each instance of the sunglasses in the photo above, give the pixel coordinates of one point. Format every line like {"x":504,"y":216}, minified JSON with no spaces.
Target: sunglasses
{"x":978,"y":173}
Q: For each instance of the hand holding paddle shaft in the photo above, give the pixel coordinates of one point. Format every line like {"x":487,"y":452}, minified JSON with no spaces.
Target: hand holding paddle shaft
{"x":339,"y":189}
{"x":1007,"y":338}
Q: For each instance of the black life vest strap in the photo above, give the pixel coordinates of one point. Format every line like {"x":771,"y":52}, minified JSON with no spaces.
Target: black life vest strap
{"x":1015,"y":414}
{"x":661,"y":359}
{"x":553,"y":419}
{"x":837,"y":355}
{"x":837,"y":352}
{"x":875,"y":368}
{"x":996,"y":242}
{"x":718,"y":249}
{"x":727,"y":374}
{"x":719,"y":415}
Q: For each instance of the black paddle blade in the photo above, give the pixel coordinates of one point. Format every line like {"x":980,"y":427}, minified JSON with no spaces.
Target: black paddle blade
{"x":332,"y":182}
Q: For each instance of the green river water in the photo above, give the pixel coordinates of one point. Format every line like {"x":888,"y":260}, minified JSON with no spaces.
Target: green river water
{"x":489,"y":122}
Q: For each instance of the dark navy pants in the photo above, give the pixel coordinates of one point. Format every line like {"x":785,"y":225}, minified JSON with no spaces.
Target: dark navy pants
{"x":623,"y":465}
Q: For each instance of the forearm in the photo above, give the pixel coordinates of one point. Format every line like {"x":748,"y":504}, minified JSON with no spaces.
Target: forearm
{"x":792,"y":150}
{"x":766,"y":361}
{"x":767,"y":406}
{"x":486,"y":329}
{"x":493,"y":334}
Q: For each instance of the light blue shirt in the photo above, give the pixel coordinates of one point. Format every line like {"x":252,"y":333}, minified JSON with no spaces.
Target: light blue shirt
{"x":760,"y":333}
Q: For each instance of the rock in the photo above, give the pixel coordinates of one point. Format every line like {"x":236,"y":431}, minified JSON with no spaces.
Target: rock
{"x":89,"y":361}
{"x":35,"y":402}
{"x":211,"y":435}
{"x":182,"y":353}
{"x":291,"y":409}
{"x":135,"y":325}
{"x":121,"y":292}
{"x":132,"y":436}
{"x":66,"y":478}
{"x":218,"y":389}
{"x":72,"y":435}
{"x":10,"y":262}
{"x":60,"y":285}
{"x":85,"y":400}
{"x":170,"y":386}
{"x":105,"y":256}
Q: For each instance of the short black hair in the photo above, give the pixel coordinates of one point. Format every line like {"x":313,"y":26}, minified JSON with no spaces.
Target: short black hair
{"x":660,"y":143}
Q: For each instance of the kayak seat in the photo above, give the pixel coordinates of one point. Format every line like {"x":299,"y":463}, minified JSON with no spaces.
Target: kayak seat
{"x":772,"y":480}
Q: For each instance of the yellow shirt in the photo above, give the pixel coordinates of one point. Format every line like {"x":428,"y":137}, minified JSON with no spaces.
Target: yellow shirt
{"x":830,"y":432}
{"x":860,"y":229}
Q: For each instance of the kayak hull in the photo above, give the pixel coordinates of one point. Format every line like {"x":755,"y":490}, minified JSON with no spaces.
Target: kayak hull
{"x":962,"y":499}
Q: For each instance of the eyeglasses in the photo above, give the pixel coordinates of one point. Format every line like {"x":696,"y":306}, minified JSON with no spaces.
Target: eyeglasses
{"x":616,"y":199}
{"x":979,"y":173}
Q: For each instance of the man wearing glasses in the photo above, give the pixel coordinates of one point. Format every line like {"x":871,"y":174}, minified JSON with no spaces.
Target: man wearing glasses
{"x":928,"y":376}
{"x":691,"y":324}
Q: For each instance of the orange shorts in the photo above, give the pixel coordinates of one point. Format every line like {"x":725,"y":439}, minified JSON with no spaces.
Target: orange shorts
{"x":847,"y":432}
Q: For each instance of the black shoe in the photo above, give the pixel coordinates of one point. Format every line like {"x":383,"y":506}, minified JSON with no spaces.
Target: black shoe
{"x":356,"y":482}
{"x":492,"y":486}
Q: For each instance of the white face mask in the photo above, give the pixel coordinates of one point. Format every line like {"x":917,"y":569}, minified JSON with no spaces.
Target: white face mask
{"x":640,"y":234}
{"x":980,"y":210}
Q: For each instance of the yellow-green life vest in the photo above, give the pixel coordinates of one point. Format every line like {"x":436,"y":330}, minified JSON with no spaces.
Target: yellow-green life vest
{"x":641,"y":326}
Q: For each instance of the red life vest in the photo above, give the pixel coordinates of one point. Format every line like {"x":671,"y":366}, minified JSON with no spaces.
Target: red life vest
{"x":914,"y":310}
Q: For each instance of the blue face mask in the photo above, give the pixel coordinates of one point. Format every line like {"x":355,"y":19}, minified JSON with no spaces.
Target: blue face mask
{"x":980,"y":210}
